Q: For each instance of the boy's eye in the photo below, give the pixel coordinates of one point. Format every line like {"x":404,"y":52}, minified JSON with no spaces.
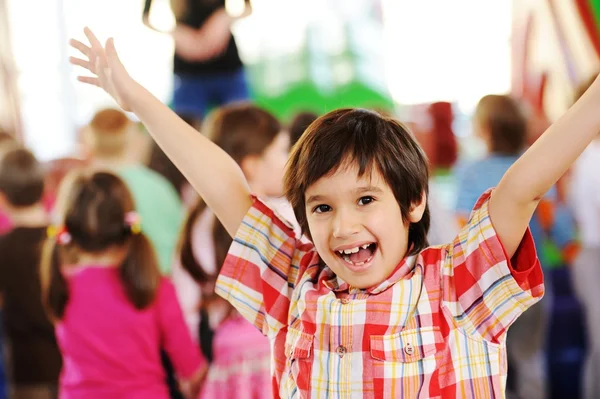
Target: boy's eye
{"x":321,"y":208}
{"x":365,"y":200}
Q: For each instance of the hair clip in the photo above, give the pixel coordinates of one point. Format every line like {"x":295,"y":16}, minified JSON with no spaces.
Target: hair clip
{"x":133,"y":220}
{"x":59,"y":233}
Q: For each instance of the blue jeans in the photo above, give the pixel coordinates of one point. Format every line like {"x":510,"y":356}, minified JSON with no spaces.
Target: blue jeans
{"x":195,"y":95}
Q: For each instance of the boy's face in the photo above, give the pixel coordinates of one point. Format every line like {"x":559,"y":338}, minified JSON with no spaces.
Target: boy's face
{"x":357,"y":226}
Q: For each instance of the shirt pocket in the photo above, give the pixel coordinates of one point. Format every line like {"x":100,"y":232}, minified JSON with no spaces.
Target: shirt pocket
{"x":404,"y":363}
{"x":299,"y":359}
{"x":406,"y":346}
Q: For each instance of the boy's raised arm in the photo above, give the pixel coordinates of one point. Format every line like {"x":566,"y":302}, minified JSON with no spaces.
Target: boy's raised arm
{"x":514,"y":200}
{"x":213,"y":173}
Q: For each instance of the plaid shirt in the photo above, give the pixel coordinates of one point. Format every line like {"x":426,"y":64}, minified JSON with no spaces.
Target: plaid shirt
{"x":435,"y":328}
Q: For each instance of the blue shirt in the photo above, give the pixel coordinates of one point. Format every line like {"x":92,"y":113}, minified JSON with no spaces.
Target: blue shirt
{"x":476,"y":177}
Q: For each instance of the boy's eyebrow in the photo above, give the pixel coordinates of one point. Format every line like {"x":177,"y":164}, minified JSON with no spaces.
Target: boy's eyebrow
{"x":314,"y":198}
{"x":359,"y":190}
{"x":370,"y":189}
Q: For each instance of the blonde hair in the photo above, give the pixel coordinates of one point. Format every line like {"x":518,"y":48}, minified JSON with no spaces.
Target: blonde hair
{"x":107,"y":133}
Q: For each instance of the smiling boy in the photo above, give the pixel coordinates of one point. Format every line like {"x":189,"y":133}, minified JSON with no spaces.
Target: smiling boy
{"x":395,"y":318}
{"x":369,"y":311}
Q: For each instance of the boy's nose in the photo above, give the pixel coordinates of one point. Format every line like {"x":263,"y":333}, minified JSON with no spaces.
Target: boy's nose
{"x":345,"y":225}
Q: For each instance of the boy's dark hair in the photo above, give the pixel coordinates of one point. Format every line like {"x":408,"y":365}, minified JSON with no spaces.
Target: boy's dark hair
{"x":95,"y":208}
{"x":370,"y":141}
{"x":21,"y":178}
{"x":299,"y":124}
{"x":504,"y":118}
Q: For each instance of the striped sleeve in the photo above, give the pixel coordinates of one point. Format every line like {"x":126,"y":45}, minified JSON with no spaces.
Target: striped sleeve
{"x":262,"y":268}
{"x":483,"y":289}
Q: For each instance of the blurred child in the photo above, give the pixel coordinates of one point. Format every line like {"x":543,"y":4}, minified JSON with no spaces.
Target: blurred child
{"x":113,"y":310}
{"x":35,"y":360}
{"x":239,"y":352}
{"x":367,"y":308}
{"x":108,"y":139}
{"x":500,"y":122}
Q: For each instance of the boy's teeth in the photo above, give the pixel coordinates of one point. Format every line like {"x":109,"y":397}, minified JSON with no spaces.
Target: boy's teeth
{"x":353,"y":250}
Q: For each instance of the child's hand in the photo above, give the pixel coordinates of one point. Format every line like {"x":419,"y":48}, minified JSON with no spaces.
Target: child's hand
{"x":104,"y":63}
{"x":191,"y":389}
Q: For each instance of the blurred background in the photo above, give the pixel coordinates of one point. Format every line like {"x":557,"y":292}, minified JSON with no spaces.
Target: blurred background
{"x":421,"y":61}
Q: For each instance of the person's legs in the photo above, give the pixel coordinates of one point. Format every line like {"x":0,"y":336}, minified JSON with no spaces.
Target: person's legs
{"x":229,"y":87}
{"x":190,"y":96}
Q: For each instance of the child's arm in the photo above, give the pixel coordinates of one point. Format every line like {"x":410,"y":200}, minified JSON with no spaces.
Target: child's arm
{"x":213,"y":173}
{"x":516,"y":197}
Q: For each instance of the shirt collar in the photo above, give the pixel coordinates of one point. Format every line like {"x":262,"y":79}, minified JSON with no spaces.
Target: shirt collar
{"x":335,"y":283}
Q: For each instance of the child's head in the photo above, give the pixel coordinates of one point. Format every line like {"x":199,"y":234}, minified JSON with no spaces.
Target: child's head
{"x":108,"y":133}
{"x":358,"y":182}
{"x":97,"y":220}
{"x":299,"y":124}
{"x":255,"y":140}
{"x":501,"y":123}
{"x":21,"y":179}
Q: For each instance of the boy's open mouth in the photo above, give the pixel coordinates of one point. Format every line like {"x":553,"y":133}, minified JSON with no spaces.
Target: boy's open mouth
{"x":358,"y":256}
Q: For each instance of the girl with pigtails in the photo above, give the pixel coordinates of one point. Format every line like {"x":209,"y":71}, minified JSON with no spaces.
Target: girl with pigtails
{"x":112,"y":309}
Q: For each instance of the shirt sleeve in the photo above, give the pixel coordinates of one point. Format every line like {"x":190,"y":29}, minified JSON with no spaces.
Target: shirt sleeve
{"x":176,"y":339}
{"x":484,"y":290}
{"x":264,"y":263}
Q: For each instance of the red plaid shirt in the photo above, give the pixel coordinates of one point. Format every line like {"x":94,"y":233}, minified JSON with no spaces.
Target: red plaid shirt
{"x":435,"y":328}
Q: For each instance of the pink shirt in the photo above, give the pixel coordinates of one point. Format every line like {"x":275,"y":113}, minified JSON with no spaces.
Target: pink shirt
{"x":112,"y":350}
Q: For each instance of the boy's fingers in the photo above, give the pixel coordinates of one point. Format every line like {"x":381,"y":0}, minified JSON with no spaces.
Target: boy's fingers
{"x":94,"y":42}
{"x":82,"y":63}
{"x":83,"y":49}
{"x":89,"y":80}
{"x":111,"y":51}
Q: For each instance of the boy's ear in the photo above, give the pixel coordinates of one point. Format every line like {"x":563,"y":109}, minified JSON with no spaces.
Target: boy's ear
{"x":417,"y":209}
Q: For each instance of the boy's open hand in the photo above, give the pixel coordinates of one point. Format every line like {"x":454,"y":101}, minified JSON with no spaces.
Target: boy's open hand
{"x":104,"y":63}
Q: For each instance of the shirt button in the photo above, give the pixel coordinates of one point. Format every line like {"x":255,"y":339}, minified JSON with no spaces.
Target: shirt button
{"x":345,"y":301}
{"x":409,"y":349}
{"x":341,"y":351}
